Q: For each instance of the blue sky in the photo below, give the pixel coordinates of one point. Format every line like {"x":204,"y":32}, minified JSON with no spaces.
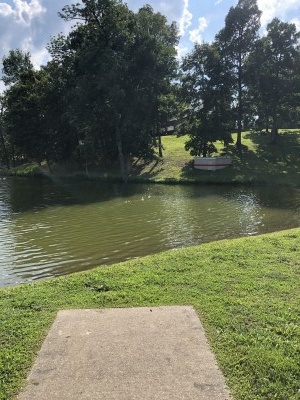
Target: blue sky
{"x":30,"y":24}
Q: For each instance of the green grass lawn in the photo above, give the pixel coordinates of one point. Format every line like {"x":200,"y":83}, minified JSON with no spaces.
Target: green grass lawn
{"x":258,"y":162}
{"x":246,"y":292}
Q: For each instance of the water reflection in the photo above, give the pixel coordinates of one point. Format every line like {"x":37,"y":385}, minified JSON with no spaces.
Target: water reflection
{"x":49,"y":229}
{"x":178,"y":228}
{"x":249,"y":213}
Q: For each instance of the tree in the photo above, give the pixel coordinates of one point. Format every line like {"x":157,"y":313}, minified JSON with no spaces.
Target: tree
{"x":122,"y":63}
{"x":273,"y":76}
{"x":18,"y":74}
{"x":32,"y":111}
{"x":102,"y":91}
{"x":237,"y":40}
{"x":3,"y":146}
{"x":169,"y":110}
{"x":15,"y":64}
{"x":157,"y":63}
{"x":206,"y":89}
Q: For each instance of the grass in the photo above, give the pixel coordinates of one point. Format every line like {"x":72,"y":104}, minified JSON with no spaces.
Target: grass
{"x":258,"y":162}
{"x":246,"y":292}
{"x":26,"y":170}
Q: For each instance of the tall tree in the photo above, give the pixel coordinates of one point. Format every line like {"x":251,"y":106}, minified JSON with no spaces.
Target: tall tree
{"x":18,"y":75}
{"x":4,"y":156}
{"x":237,"y":40}
{"x":32,"y":110}
{"x":122,"y":63}
{"x":102,"y":91}
{"x":207,"y":90}
{"x":101,"y":42}
{"x":274,"y":74}
{"x":157,"y":65}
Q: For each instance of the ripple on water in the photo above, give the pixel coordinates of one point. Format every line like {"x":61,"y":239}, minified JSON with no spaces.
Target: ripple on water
{"x":61,"y":238}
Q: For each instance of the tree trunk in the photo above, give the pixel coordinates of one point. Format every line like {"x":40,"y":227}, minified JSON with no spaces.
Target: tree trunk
{"x":128,"y":164}
{"x":274,"y":132}
{"x":5,"y":153}
{"x":240,"y":111}
{"x":13,"y":155}
{"x":121,"y":154}
{"x":267,"y":125}
{"x":49,"y":166}
{"x":204,"y":149}
{"x":160,"y":153}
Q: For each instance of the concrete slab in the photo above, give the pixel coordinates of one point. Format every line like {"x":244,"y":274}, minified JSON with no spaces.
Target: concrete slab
{"x":158,"y":353}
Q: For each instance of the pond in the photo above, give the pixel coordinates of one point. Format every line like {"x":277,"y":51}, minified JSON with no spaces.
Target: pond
{"x":52,"y":228}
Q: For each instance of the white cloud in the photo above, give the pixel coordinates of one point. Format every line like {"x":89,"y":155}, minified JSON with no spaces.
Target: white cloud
{"x":275,"y":8}
{"x":175,"y":10}
{"x":22,"y":12}
{"x":196,"y":34}
{"x":296,"y":21}
{"x":186,"y":18}
{"x":39,"y":56}
{"x":5,"y":9}
{"x":29,"y":25}
{"x":218,"y":2}
{"x":182,"y":51}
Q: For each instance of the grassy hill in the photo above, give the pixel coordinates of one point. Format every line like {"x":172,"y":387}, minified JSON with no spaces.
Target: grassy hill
{"x":258,"y":162}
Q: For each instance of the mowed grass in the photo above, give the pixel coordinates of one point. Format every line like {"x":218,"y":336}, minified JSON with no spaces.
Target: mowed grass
{"x":258,"y":162}
{"x":246,"y":292}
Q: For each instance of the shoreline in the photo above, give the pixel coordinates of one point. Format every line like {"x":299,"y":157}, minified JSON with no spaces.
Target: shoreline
{"x":41,"y":174}
{"x":246,"y":292}
{"x":257,"y":163}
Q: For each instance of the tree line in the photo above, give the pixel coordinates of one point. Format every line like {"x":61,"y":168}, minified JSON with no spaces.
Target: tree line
{"x":114,"y":83}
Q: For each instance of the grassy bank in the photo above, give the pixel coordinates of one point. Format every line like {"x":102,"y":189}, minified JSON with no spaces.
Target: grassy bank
{"x":246,"y":292}
{"x":259,"y":162}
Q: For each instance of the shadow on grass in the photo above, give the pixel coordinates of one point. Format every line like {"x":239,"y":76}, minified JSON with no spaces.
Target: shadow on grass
{"x":188,"y":171}
{"x":146,"y":169}
{"x":239,"y":172}
{"x":266,"y":164}
{"x":280,"y":160}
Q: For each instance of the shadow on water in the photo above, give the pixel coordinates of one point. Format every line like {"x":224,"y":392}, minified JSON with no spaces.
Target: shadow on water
{"x":45,"y":231}
{"x":25,"y":194}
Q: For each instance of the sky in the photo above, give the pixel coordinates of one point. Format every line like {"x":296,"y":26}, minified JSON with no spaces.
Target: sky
{"x":29,"y":25}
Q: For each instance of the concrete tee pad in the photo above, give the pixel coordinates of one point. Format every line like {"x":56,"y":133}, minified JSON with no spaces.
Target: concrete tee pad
{"x":158,"y":353}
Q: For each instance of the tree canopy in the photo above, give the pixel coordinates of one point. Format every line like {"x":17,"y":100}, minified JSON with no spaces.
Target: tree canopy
{"x":114,"y":83}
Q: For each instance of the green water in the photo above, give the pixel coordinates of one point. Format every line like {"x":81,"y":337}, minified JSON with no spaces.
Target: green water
{"x":49,"y":229}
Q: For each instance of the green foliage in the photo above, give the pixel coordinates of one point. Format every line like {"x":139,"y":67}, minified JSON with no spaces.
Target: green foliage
{"x":258,"y":163}
{"x":237,"y":40}
{"x":246,"y":292}
{"x":273,"y":76}
{"x":102,"y":88}
{"x":112,"y":87}
{"x":122,"y":63}
{"x":15,"y":64}
{"x":207,"y":90}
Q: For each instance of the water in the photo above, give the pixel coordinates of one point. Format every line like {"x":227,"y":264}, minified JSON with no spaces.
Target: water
{"x":49,"y":229}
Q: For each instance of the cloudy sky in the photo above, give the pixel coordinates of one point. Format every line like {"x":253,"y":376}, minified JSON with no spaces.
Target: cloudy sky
{"x":30,"y":24}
